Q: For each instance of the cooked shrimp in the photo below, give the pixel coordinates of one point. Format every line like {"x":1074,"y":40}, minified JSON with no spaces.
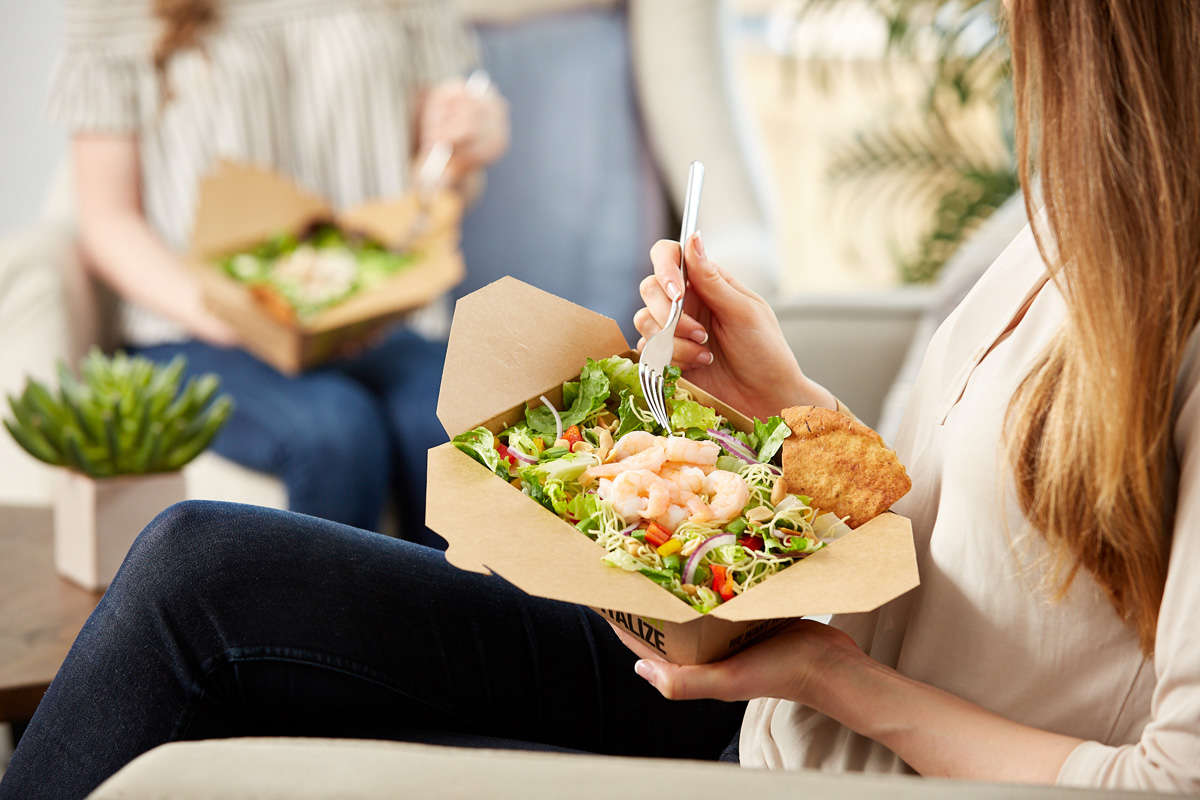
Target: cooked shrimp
{"x":638,"y":493}
{"x":673,"y":516}
{"x":643,"y":452}
{"x":728,"y":495}
{"x":683,"y":450}
{"x":686,"y":481}
{"x":632,"y":443}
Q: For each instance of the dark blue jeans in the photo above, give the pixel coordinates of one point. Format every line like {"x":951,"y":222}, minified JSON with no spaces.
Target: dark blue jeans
{"x":341,"y":437}
{"x":229,"y":620}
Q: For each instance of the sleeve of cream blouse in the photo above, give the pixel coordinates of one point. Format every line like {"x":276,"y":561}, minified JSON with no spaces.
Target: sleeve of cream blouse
{"x":1167,"y":757}
{"x":692,"y":111}
{"x":98,"y":80}
{"x":443,"y":47}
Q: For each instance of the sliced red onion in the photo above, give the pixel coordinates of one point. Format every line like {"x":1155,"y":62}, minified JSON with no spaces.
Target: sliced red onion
{"x":720,"y":540}
{"x":517,"y":454}
{"x":738,"y":449}
{"x":629,"y":530}
{"x":734,"y":446}
{"x":558,"y":429}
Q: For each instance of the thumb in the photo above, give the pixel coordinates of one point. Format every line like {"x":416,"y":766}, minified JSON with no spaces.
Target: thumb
{"x":676,"y":682}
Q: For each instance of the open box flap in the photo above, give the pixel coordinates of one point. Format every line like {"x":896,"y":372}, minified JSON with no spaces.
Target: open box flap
{"x":509,"y":342}
{"x":490,"y":526}
{"x":861,"y":571}
{"x":390,"y":222}
{"x":240,"y":205}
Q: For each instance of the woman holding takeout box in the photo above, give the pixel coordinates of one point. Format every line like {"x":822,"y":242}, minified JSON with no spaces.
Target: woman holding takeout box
{"x":339,"y":96}
{"x":1051,"y":440}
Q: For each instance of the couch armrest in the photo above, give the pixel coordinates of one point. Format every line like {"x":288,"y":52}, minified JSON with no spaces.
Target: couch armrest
{"x":300,"y":769}
{"x":35,"y":333}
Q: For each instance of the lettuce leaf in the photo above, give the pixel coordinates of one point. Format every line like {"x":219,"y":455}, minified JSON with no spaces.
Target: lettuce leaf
{"x":690,"y":414}
{"x":590,"y":397}
{"x":770,"y":436}
{"x":480,"y":445}
{"x":622,"y":373}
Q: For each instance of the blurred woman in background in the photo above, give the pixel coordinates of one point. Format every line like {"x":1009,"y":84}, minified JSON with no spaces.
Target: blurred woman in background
{"x":341,"y":97}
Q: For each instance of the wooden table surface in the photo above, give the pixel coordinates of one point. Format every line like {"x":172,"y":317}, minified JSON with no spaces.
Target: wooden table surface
{"x":40,"y":613}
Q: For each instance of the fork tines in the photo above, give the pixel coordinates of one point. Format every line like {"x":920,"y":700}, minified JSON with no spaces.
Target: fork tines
{"x":652,"y":388}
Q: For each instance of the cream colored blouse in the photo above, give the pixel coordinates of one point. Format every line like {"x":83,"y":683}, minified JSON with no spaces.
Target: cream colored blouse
{"x":321,"y":90}
{"x":980,"y":625}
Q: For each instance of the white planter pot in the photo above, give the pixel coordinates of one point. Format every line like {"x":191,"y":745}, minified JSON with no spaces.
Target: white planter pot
{"x":96,"y":520}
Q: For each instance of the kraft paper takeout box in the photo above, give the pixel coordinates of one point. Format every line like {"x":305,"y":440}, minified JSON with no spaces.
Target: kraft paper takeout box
{"x":239,"y":206}
{"x":511,"y":343}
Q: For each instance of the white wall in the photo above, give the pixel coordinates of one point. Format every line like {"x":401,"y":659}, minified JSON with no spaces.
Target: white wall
{"x":31,"y":36}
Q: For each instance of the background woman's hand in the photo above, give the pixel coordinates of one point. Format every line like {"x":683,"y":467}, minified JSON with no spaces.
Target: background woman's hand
{"x":728,"y":341}
{"x":476,"y":125}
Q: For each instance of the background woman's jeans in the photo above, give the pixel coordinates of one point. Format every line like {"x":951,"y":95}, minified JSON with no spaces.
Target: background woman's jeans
{"x":229,"y":620}
{"x":341,"y":436}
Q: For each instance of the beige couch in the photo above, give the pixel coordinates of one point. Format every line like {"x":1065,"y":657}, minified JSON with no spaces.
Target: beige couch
{"x":308,"y":769}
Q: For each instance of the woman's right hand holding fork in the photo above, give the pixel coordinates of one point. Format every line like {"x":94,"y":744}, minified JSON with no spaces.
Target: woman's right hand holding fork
{"x":728,"y":341}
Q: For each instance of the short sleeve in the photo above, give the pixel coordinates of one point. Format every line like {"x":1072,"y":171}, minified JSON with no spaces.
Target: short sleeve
{"x":93,"y":91}
{"x":102,"y":74}
{"x":442,"y":45}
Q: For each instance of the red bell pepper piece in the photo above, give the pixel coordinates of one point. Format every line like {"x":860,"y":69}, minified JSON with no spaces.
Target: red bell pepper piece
{"x":657,"y":535}
{"x":507,"y":456}
{"x":572,"y":435}
{"x":722,"y":582}
{"x":751,"y":542}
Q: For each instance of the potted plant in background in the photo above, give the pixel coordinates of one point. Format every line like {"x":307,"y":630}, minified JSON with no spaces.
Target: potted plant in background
{"x":122,"y":434}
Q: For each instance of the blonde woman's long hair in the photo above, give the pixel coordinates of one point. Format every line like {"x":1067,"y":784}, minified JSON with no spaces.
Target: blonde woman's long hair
{"x":1108,"y":111}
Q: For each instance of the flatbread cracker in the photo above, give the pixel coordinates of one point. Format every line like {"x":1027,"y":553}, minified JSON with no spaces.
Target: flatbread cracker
{"x":841,"y":464}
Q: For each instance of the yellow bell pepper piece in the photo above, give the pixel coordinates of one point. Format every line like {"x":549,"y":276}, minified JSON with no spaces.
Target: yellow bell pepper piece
{"x":670,"y":547}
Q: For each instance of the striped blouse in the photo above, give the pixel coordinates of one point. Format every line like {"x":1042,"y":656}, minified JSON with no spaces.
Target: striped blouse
{"x":321,"y":90}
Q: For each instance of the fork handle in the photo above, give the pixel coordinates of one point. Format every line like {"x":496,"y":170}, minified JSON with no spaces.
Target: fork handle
{"x":691,"y":212}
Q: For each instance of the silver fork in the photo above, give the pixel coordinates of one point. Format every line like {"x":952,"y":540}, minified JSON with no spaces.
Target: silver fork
{"x":656,"y":355}
{"x":433,"y":167}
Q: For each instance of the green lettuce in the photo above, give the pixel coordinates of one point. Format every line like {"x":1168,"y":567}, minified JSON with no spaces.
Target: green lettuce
{"x":770,"y":436}
{"x":592,"y":392}
{"x":690,"y":414}
{"x":480,"y":445}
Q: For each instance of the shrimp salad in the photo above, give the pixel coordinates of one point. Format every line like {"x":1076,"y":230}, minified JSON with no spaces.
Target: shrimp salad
{"x":701,"y":509}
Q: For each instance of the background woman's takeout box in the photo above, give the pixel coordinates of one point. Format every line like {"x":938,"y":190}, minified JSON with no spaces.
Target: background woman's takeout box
{"x":240,"y":206}
{"x":511,"y":343}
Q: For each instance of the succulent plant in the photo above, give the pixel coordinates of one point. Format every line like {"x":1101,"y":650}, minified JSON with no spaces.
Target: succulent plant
{"x":127,"y":416}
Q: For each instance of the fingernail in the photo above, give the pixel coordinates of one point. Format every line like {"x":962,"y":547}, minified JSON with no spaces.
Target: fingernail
{"x":699,"y":244}
{"x":705,"y":358}
{"x":641,"y":343}
{"x":672,"y":291}
{"x":700,"y":336}
{"x":645,"y":670}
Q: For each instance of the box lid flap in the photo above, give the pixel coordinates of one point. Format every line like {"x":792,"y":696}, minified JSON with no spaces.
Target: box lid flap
{"x":240,"y":205}
{"x":861,"y":571}
{"x":501,"y":530}
{"x":509,"y":342}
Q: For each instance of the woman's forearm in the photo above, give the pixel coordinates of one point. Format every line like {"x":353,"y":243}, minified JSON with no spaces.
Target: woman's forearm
{"x":131,"y":259}
{"x":120,"y":245}
{"x":937,"y":733}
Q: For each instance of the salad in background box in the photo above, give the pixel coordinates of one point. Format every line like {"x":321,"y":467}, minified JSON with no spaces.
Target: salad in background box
{"x":298,"y":279}
{"x":295,"y":276}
